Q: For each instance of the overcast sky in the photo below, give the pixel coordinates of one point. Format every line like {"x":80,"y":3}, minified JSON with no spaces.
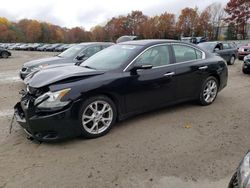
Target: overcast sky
{"x":88,"y":13}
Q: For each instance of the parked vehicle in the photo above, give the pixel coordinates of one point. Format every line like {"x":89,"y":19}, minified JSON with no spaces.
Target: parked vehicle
{"x":122,"y":80}
{"x":74,"y":55}
{"x":14,"y":47}
{"x":243,"y":51}
{"x":52,"y":47}
{"x":241,"y":178}
{"x":4,"y":53}
{"x":63,"y":47}
{"x":246,"y":65}
{"x":226,"y":50}
{"x":43,"y":47}
{"x":194,"y":40}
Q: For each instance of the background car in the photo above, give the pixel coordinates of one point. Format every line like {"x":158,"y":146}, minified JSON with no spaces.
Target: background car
{"x":246,"y":65}
{"x":43,"y":47}
{"x":74,"y":55}
{"x":52,"y":47}
{"x":243,"y":51}
{"x":226,"y":50}
{"x":4,"y":53}
{"x":194,"y":40}
{"x":122,"y":80}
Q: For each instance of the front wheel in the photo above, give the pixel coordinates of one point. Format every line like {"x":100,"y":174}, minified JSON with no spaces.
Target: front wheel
{"x":5,"y":55}
{"x":97,"y":116}
{"x":209,"y":91}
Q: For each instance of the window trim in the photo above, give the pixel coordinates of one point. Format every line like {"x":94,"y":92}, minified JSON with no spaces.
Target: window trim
{"x":202,"y":57}
{"x":171,"y":63}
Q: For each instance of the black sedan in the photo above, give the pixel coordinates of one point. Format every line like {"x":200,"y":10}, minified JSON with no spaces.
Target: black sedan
{"x":246,"y":65}
{"x":4,"y":53}
{"x":226,"y":50}
{"x":241,"y":178}
{"x":120,"y":81}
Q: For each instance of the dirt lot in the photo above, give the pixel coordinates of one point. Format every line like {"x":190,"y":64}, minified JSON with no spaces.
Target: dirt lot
{"x":182,"y":146}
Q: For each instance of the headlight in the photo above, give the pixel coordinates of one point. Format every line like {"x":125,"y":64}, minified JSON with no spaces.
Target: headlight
{"x":42,"y":66}
{"x":32,"y":69}
{"x":244,"y":172}
{"x":52,"y":99}
{"x":241,"y":49}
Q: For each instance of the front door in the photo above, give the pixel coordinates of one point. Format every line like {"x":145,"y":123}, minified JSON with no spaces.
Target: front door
{"x":153,"y":87}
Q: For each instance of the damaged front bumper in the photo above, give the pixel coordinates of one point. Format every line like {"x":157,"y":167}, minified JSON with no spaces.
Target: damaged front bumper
{"x":50,"y":125}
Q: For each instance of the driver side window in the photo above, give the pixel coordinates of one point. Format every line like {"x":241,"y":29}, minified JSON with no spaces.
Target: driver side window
{"x":156,"y":56}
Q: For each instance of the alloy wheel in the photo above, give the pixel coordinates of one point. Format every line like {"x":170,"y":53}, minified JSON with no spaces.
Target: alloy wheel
{"x":97,"y":117}
{"x":232,"y":60}
{"x":210,"y":91}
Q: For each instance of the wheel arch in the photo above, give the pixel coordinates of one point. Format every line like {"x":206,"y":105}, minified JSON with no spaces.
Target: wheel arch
{"x":110,"y":96}
{"x":217,"y":78}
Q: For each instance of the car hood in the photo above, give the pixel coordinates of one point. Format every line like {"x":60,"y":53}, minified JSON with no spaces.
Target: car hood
{"x":52,"y":75}
{"x":49,"y":60}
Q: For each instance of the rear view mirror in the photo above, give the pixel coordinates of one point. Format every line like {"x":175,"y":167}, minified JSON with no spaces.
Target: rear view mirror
{"x":216,"y":49}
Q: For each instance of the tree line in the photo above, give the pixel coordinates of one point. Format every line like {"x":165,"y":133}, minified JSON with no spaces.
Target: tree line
{"x":191,"y":22}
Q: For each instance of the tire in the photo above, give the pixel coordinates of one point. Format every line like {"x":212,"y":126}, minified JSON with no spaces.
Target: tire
{"x":5,"y":55}
{"x":209,"y":91}
{"x":92,"y":121}
{"x":245,"y":71}
{"x":232,"y":60}
{"x":233,"y":181}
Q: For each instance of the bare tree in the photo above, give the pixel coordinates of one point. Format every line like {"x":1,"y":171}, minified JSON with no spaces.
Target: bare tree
{"x":217,"y":13}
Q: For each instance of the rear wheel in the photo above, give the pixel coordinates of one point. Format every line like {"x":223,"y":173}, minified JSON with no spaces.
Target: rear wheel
{"x":97,"y":116}
{"x":209,"y":91}
{"x":231,"y":61}
{"x":5,"y":55}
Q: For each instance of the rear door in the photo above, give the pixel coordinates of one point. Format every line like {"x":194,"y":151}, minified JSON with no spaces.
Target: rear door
{"x":190,"y":70}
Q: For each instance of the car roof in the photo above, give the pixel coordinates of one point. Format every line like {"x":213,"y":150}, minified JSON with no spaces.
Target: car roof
{"x":150,"y":42}
{"x":94,"y":43}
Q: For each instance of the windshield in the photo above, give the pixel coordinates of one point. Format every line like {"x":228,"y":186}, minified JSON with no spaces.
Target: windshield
{"x":207,"y":46}
{"x":72,"y":52}
{"x":111,"y":57}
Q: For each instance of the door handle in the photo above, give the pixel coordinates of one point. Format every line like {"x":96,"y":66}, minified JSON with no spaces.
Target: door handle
{"x":169,"y":74}
{"x":203,"y":67}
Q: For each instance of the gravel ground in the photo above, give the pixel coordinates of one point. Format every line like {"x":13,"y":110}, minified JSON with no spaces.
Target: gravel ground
{"x":181,"y":146}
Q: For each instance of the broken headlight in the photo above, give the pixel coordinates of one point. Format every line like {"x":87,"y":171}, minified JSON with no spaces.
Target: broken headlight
{"x":52,"y":99}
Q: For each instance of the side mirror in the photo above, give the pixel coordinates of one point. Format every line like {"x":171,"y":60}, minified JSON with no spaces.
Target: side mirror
{"x":216,"y":49}
{"x":80,"y":57}
{"x":140,"y":67}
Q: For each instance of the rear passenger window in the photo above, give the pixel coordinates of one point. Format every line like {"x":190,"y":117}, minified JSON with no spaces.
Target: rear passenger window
{"x":185,"y":53}
{"x":198,"y":54}
{"x":226,"y":46}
